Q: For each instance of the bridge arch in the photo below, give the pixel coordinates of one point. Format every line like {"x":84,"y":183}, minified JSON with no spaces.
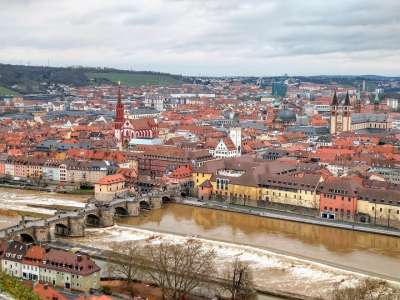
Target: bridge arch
{"x":165,"y":199}
{"x":62,"y":230}
{"x":144,"y":205}
{"x":92,"y":220}
{"x":121,"y":211}
{"x":27,"y":238}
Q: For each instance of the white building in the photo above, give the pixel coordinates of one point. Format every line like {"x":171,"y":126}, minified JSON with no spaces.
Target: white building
{"x":229,"y":146}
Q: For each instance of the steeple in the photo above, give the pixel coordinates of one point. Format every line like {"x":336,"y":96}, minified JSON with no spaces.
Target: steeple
{"x":347,"y":100}
{"x":119,"y":110}
{"x":335,"y":101}
{"x":334,"y":111}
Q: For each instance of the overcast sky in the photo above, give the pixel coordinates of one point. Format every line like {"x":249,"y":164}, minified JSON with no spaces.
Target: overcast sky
{"x":206,"y":37}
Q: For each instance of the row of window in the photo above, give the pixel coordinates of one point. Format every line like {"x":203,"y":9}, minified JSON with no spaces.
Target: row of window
{"x":337,"y":197}
{"x":381,"y":210}
{"x":337,"y":210}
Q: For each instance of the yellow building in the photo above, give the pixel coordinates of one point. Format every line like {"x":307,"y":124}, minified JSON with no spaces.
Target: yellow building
{"x":258,"y":183}
{"x":289,"y":190}
{"x":380,"y":207}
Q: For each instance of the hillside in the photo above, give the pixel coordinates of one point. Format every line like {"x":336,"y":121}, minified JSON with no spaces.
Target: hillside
{"x":18,"y":79}
{"x":135,"y":79}
{"x":7,"y":92}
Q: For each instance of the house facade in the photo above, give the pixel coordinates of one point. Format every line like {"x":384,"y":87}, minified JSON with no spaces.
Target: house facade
{"x":59,"y":268}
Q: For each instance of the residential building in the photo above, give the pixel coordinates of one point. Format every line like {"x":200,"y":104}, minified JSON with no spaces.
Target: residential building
{"x":59,"y":268}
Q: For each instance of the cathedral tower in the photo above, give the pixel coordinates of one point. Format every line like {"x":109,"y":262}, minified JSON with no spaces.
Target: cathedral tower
{"x":346,"y":119}
{"x":334,"y":113}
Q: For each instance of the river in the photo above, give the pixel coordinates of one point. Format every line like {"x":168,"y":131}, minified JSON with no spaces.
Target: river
{"x":355,"y":250}
{"x":373,"y":253}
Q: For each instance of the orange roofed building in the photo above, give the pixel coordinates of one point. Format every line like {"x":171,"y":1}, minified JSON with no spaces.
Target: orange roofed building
{"x":109,"y":187}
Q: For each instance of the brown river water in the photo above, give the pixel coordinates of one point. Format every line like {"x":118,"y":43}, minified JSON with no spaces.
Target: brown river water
{"x":343,"y":248}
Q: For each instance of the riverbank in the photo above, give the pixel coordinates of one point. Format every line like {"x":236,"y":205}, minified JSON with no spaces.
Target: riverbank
{"x":292,"y":217}
{"x":49,"y":189}
{"x":275,"y":274}
{"x":36,"y":203}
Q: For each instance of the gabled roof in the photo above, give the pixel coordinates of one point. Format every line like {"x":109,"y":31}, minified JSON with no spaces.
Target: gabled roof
{"x":70,"y":262}
{"x":229,"y":144}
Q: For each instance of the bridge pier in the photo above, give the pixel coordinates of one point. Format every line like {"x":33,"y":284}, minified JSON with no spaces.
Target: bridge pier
{"x":41,"y":234}
{"x":155,"y":202}
{"x":106,"y":216}
{"x":76,"y":226}
{"x":133,"y":208}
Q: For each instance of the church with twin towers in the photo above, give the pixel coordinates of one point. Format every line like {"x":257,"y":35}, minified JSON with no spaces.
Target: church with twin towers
{"x":343,"y":117}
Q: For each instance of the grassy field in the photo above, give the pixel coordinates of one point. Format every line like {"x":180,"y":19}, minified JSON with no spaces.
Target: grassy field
{"x":136,"y":80}
{"x":7,"y":92}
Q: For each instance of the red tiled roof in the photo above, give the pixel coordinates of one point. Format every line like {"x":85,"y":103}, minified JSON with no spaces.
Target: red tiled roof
{"x":46,"y":292}
{"x":70,"y":262}
{"x":110,"y":179}
{"x":35,"y":253}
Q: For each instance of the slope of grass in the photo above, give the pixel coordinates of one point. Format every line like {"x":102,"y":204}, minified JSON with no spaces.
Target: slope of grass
{"x":7,"y":92}
{"x":136,"y":79}
{"x":16,"y":289}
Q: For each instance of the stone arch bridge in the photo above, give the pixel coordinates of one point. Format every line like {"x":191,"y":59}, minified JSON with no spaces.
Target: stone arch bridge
{"x":73,"y":224}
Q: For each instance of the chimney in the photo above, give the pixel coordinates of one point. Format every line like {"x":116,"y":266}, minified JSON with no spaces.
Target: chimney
{"x":79,"y":257}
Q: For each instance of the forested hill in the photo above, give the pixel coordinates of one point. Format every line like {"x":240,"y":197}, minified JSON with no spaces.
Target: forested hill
{"x":18,"y":79}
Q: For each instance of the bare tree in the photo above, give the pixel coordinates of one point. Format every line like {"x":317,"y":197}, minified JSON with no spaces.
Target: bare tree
{"x":125,"y":261}
{"x":179,"y":268}
{"x":369,"y":289}
{"x":238,"y":281}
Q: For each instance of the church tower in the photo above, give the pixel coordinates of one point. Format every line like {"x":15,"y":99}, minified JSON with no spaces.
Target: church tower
{"x":236,"y":136}
{"x":346,"y":119}
{"x":376,"y":102}
{"x":119,"y":116}
{"x":334,"y":113}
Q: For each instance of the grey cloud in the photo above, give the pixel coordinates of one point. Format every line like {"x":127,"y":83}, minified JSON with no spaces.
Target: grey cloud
{"x":212,"y":35}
